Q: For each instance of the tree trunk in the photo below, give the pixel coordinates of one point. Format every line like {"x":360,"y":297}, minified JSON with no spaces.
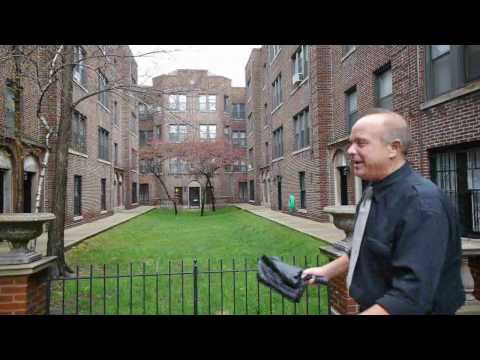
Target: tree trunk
{"x":203,"y":200}
{"x":166,"y":192}
{"x":55,"y":245}
{"x":212,"y":196}
{"x":19,"y":153}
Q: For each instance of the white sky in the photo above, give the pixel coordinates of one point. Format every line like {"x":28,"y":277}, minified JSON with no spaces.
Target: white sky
{"x":224,"y":60}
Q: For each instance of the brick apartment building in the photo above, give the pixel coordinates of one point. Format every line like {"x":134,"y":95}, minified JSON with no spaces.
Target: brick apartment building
{"x":283,"y":156}
{"x":192,"y":104}
{"x":102,"y":170}
{"x":434,"y":87}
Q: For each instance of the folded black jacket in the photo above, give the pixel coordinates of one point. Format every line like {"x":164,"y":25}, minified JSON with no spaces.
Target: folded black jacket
{"x":284,"y":278}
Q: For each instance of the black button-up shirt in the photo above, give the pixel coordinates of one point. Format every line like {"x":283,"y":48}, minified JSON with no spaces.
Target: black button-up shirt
{"x":410,"y":256}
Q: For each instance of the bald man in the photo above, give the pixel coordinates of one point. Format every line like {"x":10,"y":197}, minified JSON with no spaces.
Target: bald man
{"x":406,"y":247}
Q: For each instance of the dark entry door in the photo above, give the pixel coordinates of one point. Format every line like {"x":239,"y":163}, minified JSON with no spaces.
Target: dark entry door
{"x":27,"y":191}
{"x":243,"y":191}
{"x":194,"y":196}
{"x":343,"y":185}
{"x":279,"y":188}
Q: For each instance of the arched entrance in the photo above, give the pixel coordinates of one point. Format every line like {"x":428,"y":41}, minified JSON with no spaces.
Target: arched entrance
{"x":31,"y":171}
{"x":194,"y":194}
{"x":5,"y":182}
{"x":341,"y":171}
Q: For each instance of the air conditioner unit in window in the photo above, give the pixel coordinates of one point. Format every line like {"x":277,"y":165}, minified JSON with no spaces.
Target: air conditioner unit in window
{"x":298,"y":77}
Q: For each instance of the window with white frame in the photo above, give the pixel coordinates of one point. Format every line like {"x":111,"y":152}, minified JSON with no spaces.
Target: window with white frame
{"x":177,"y":133}
{"x":102,"y":86}
{"x":277,"y":91}
{"x":208,"y":132}
{"x":273,"y":51}
{"x":238,"y":111}
{"x":450,"y":67}
{"x":79,"y":133}
{"x":79,"y":71}
{"x":278,"y":143}
{"x":178,"y":166}
{"x":383,"y":88}
{"x":250,"y":158}
{"x":351,"y":106}
{"x":177,"y":102}
{"x":239,"y":138}
{"x":300,"y":64}
{"x":207,"y":103}
{"x":103,"y":144}
{"x":301,"y":124}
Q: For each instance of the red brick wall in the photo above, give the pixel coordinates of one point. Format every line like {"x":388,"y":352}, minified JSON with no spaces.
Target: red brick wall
{"x":21,"y":295}
{"x":339,"y":298}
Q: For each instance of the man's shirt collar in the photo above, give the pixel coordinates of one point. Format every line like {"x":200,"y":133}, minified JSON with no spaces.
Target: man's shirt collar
{"x":380,"y":187}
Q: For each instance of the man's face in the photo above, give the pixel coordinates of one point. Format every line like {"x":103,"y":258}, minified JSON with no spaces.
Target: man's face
{"x":369,"y":154}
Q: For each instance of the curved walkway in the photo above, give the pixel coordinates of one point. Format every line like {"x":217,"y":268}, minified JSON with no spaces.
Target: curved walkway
{"x":322,"y":231}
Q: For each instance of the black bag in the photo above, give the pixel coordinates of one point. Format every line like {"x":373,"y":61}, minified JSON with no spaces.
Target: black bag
{"x":284,"y":278}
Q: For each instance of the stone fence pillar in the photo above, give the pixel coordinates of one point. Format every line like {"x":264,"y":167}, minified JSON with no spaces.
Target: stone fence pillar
{"x":23,"y":288}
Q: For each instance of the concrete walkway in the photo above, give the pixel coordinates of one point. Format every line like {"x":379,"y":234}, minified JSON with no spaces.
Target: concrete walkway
{"x":322,"y":231}
{"x":77,"y":234}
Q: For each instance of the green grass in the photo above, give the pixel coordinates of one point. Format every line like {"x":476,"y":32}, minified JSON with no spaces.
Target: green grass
{"x":226,"y":245}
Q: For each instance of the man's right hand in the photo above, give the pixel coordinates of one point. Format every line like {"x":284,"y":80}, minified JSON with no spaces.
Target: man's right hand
{"x":315,"y":271}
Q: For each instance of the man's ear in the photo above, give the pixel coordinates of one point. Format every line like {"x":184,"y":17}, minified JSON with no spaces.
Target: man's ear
{"x":395,"y":148}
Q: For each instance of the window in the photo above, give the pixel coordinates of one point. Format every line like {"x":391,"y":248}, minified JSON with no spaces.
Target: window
{"x":145,"y":166}
{"x":300,"y":64}
{"x":158,"y":132}
{"x":103,"y":192}
{"x":239,"y":138}
{"x":102,"y":86}
{"x":450,"y":67}
{"x":238,"y":111}
{"x":177,"y":102}
{"x":250,"y":159}
{"x":226,"y":131}
{"x":278,"y":143}
{"x":134,"y":192}
{"x":226,"y":104}
{"x":178,"y":166}
{"x":103,"y":144}
{"x":250,"y":125}
{"x":10,"y":109}
{"x":267,"y":154}
{"x":457,"y":173}
{"x":346,"y":49}
{"x":383,"y":88}
{"x":266,"y":118}
{"x":142,"y":110}
{"x":79,"y":133}
{"x":301,"y":124}
{"x":115,"y":112}
{"x":134,"y":158}
{"x":115,"y":151}
{"x":208,"y":132}
{"x":77,"y":195}
{"x":303,"y":193}
{"x":79,"y":71}
{"x":352,"y":107}
{"x":207,"y":103}
{"x":237,"y":166}
{"x":277,"y":91}
{"x":145,"y":137}
{"x":248,"y":90}
{"x":273,"y":51}
{"x":177,"y":133}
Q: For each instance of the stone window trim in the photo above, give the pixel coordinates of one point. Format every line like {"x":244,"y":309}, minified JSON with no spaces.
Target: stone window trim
{"x":296,"y":152}
{"x":80,"y":86}
{"x":77,"y":218}
{"x":276,"y":109}
{"x":276,"y":56}
{"x":349,"y":53}
{"x":295,"y":89}
{"x":451,"y":95}
{"x":104,"y":107}
{"x":104,"y":162}
{"x":78,"y":153}
{"x":277,"y":159}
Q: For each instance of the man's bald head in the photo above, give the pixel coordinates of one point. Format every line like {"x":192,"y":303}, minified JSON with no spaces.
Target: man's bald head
{"x":395,"y":127}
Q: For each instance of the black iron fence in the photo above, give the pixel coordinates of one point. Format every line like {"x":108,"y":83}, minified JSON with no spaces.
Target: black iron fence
{"x":210,"y":287}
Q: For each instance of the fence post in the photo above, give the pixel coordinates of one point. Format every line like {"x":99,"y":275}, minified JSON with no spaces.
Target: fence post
{"x":195,"y":288}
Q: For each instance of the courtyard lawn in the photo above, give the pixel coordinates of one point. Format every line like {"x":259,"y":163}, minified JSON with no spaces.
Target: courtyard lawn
{"x":145,"y":266}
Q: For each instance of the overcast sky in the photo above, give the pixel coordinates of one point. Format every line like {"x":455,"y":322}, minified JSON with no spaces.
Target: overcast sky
{"x":224,"y":60}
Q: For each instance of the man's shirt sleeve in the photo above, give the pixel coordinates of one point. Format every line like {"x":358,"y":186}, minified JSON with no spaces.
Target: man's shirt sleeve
{"x":417,"y":259}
